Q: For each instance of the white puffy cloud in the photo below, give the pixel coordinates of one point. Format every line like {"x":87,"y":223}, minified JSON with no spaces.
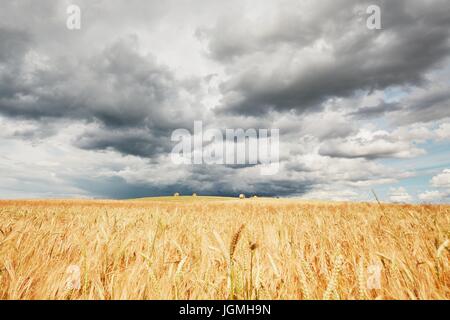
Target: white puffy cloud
{"x":442,"y":180}
{"x":371,"y":145}
{"x":443,"y":132}
{"x":432,"y":196}
{"x":333,"y":194}
{"x":399,"y":195}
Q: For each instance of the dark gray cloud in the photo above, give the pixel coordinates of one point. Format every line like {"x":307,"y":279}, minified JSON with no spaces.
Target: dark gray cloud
{"x":203,"y":180}
{"x":118,"y":188}
{"x":427,"y":104}
{"x":377,"y":111}
{"x":225,"y":180}
{"x":106,"y":99}
{"x":14,"y":44}
{"x":142,"y":142}
{"x":430,"y":104}
{"x":273,"y":70}
{"x":117,"y":88}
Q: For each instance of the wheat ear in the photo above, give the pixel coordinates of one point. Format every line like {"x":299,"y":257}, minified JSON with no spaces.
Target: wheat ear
{"x":332,"y":284}
{"x":235,"y":240}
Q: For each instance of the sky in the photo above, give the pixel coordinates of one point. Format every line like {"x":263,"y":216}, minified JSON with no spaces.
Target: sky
{"x":89,"y":112}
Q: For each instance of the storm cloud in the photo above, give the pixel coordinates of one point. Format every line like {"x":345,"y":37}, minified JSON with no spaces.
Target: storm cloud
{"x":93,"y":110}
{"x":273,"y":69}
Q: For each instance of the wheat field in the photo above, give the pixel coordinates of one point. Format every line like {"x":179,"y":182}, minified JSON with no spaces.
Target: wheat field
{"x":213,"y":248}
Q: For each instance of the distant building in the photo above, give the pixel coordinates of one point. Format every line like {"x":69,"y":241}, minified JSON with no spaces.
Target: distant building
{"x":176,"y":194}
{"x":194,"y":194}
{"x":242,"y":196}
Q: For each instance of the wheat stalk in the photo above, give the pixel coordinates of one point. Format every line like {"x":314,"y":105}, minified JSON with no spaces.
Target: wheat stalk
{"x":361,"y":281}
{"x":234,"y":241}
{"x":332,"y":284}
{"x":231,"y":272}
{"x":304,"y":288}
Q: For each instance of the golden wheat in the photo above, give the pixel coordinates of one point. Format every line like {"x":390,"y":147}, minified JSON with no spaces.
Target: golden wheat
{"x":235,"y":240}
{"x":177,"y":249}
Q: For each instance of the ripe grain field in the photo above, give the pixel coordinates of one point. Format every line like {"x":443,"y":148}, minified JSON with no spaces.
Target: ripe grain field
{"x":213,"y":248}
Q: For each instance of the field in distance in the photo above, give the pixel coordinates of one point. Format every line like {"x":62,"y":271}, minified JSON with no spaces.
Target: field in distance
{"x":222,"y":248}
